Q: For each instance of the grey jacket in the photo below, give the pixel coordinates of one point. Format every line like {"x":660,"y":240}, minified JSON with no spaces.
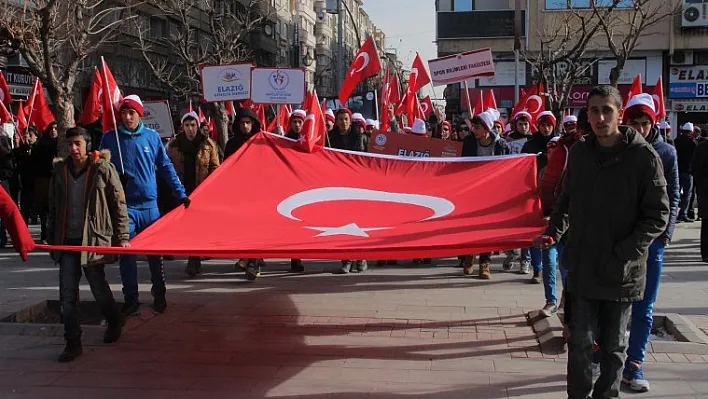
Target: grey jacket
{"x":614,"y":203}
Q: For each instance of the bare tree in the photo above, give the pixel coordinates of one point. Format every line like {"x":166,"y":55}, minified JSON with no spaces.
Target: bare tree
{"x":624,"y":28}
{"x":208,"y":32}
{"x":56,"y":37}
{"x":564,"y":56}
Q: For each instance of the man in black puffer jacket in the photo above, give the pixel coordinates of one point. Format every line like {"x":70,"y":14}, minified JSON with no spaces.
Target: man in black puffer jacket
{"x":246,"y":124}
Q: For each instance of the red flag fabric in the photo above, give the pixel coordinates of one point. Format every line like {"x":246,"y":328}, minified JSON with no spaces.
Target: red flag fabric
{"x":490,"y":101}
{"x":480,"y":105}
{"x":422,"y":76}
{"x":13,"y":221}
{"x":658,"y":96}
{"x":299,"y":213}
{"x":369,"y":66}
{"x":37,"y":109}
{"x":92,"y":105}
{"x":531,"y":102}
{"x":634,"y":90}
{"x":230,"y":110}
{"x":5,"y":115}
{"x":402,"y":105}
{"x":21,"y":118}
{"x":314,"y":130}
{"x":202,"y":119}
{"x":426,"y":106}
{"x":395,"y":95}
{"x":5,"y":96}
{"x":110,"y":98}
{"x":283,"y":117}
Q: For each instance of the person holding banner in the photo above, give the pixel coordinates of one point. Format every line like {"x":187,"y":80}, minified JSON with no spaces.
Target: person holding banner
{"x":142,"y":154}
{"x":195,"y":157}
{"x":483,"y":142}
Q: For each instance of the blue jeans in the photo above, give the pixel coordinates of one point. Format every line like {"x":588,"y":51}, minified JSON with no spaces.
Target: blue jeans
{"x":140,"y":219}
{"x":686,"y":183}
{"x":546,"y":260}
{"x":69,"y":277}
{"x":643,"y":310}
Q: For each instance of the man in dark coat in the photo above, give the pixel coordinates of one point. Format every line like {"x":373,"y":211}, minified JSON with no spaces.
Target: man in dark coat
{"x":246,"y":124}
{"x":685,"y":145}
{"x":614,"y":204}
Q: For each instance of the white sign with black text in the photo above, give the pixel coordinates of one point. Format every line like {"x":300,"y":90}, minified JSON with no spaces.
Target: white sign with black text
{"x":156,"y":116}
{"x":278,"y":85}
{"x":226,"y":82}
{"x":460,"y":67}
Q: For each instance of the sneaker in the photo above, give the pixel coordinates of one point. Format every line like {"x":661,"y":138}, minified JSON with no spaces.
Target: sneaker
{"x":536,"y":279}
{"x":525,"y":267}
{"x":346,"y":267}
{"x":296,"y":266}
{"x":508,"y":263}
{"x":159,"y":304}
{"x":114,"y":330}
{"x":633,"y":375}
{"x":130,"y":309}
{"x":549,"y":310}
{"x":72,"y":350}
{"x":361,"y":266}
{"x":484,"y":272}
{"x":252,"y":272}
{"x":595,"y":369}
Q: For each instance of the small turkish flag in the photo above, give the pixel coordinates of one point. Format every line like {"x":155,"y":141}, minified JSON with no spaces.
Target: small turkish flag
{"x":490,"y":101}
{"x":532,"y":102}
{"x":394,"y":96}
{"x":92,"y":105}
{"x":283,"y":117}
{"x":634,"y":90}
{"x":5,"y":115}
{"x":480,"y":106}
{"x":658,"y":96}
{"x":40,"y":116}
{"x":314,"y":129}
{"x":110,"y":98}
{"x":5,"y":96}
{"x":365,"y":64}
{"x":21,"y":118}
{"x":419,"y":74}
{"x":426,"y":105}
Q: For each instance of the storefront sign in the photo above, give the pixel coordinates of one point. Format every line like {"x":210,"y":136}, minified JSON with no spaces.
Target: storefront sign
{"x":157,"y":117}
{"x":686,"y":106}
{"x":278,"y":85}
{"x":688,"y":82}
{"x":460,"y":67}
{"x":578,"y":96}
{"x":504,"y":75}
{"x":407,"y":145}
{"x":631,"y":69}
{"x":226,"y":82}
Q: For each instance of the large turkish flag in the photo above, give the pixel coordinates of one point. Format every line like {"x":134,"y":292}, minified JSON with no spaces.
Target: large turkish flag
{"x":273,"y":200}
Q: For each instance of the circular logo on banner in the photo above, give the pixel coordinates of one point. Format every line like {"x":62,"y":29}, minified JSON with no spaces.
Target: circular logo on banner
{"x":147,"y":113}
{"x":229,"y":75}
{"x":370,"y":96}
{"x":279,"y":80}
{"x":678,"y":107}
{"x":674,"y":71}
{"x":380,"y":139}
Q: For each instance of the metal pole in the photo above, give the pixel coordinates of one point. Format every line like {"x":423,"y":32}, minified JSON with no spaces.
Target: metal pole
{"x":517,"y":48}
{"x":340,"y":46}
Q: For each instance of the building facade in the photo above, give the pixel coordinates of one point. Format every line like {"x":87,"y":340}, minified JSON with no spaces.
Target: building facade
{"x":675,"y":49}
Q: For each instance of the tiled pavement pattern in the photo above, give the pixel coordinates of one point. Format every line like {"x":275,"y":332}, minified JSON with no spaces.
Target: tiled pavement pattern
{"x":393,"y":332}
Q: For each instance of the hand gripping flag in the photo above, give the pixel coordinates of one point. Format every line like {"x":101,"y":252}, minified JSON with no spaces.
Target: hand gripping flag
{"x":334,"y":204}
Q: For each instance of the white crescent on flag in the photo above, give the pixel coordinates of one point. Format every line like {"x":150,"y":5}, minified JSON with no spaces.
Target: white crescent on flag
{"x":366,"y":58}
{"x":538,"y":101}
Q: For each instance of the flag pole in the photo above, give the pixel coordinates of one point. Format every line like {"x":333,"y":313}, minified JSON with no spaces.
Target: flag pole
{"x":469,"y":102}
{"x":34,"y":96}
{"x":376,"y":104}
{"x":113,"y":113}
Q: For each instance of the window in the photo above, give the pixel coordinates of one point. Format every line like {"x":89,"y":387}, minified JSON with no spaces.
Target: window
{"x":463,"y":5}
{"x":566,"y":4}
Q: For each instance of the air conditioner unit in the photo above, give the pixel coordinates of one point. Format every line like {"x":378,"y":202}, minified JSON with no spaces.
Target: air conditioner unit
{"x":682,"y":57}
{"x":694,"y":14}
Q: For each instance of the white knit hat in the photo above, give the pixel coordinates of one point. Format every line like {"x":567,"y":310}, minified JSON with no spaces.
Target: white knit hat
{"x":358,"y":117}
{"x":329,"y":114}
{"x":419,"y":127}
{"x":548,"y":115}
{"x":521,"y":114}
{"x":192,"y":115}
{"x":298,"y":113}
{"x":570,"y":119}
{"x":687,"y":126}
{"x":370,"y":122}
{"x":664,"y":125}
{"x":488,"y":117}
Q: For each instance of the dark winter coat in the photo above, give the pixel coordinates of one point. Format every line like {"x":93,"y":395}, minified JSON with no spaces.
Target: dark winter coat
{"x":106,"y":219}
{"x":239,"y":139}
{"x":354,"y":140}
{"x":46,"y":151}
{"x":669,"y":161}
{"x":470,"y":145}
{"x":699,"y":170}
{"x":538,"y":144}
{"x":614,"y":204}
{"x":7,"y":159}
{"x":685,"y":146}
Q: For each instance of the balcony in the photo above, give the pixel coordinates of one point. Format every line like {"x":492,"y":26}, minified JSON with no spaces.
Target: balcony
{"x":261,"y":41}
{"x":478,"y":24}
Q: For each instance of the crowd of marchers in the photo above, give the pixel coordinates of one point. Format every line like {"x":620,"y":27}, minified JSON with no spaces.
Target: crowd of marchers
{"x":612,"y":184}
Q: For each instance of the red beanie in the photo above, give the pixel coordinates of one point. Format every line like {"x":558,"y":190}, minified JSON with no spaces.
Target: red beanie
{"x":346,"y":110}
{"x":134,"y":102}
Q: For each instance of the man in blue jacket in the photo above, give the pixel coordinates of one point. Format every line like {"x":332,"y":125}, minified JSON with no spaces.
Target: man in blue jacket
{"x":640,"y":116}
{"x":137,"y":153}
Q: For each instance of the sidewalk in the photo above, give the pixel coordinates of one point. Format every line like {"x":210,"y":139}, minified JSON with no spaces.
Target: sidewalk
{"x":391,"y":332}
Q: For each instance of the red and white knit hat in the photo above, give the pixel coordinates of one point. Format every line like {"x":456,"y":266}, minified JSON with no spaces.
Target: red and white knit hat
{"x":570,"y":119}
{"x":329,"y":115}
{"x":488,"y":118}
{"x":418,"y":127}
{"x":134,"y":102}
{"x":641,"y":103}
{"x":546,"y":116}
{"x":298,"y":113}
{"x":523,"y":114}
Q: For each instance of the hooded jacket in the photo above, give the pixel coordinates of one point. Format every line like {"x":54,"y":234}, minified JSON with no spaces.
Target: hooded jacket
{"x":470,"y":145}
{"x":614,"y":204}
{"x":106,"y":217}
{"x":669,"y":161}
{"x":142,"y":151}
{"x":239,"y":139}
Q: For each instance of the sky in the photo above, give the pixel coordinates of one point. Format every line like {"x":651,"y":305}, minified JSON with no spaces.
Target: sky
{"x":409,"y":26}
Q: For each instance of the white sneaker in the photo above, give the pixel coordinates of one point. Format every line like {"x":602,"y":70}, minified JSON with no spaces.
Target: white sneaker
{"x":637,"y":384}
{"x":524,"y":267}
